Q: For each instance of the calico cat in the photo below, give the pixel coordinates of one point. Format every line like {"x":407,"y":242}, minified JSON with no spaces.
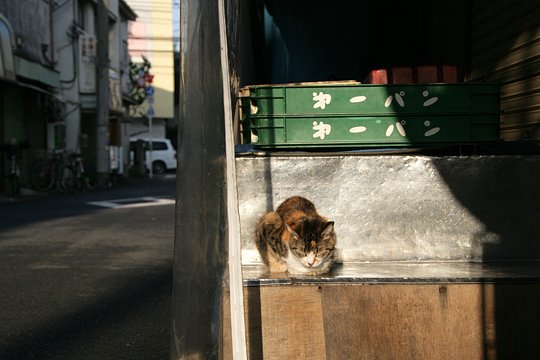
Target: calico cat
{"x":295,"y":238}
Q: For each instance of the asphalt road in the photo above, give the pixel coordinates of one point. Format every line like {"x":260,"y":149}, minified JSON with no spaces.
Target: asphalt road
{"x":88,"y":276}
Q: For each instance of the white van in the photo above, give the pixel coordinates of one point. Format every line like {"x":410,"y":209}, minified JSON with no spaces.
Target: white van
{"x":163,"y":154}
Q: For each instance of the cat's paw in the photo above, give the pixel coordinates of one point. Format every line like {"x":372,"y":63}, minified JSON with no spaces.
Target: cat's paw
{"x":277,"y":267}
{"x":309,"y":272}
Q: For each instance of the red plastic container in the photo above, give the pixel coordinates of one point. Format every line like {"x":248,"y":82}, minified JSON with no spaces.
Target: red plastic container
{"x":402,"y":75}
{"x":379,"y":76}
{"x":427,"y":74}
{"x":447,"y":74}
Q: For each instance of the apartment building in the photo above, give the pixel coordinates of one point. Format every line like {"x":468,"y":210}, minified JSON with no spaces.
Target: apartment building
{"x":48,"y":81}
{"x":151,"y":38}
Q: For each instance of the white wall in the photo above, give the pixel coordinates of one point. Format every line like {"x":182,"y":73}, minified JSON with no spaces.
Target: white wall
{"x":139,"y":127}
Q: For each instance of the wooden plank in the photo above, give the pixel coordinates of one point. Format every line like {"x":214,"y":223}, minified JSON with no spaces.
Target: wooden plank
{"x":404,"y":322}
{"x":292,"y":323}
{"x":389,"y":321}
{"x":515,"y":321}
{"x":252,"y":314}
{"x":225,"y":328}
{"x":282,"y":322}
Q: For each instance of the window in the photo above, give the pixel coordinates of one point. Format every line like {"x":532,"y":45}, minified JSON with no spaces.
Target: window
{"x":159,"y":145}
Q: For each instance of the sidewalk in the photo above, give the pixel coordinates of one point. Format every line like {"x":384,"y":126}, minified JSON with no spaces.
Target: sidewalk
{"x":76,"y":276}
{"x":26,"y":194}
{"x":31,"y":194}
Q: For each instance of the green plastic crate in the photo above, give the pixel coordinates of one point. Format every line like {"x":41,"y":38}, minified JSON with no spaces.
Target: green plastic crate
{"x":371,"y":115}
{"x":349,"y":131}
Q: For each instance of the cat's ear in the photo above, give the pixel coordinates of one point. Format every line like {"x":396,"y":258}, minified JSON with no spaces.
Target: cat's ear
{"x":328,"y":228}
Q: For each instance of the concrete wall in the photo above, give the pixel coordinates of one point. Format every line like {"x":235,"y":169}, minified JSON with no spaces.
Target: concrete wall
{"x":404,"y":208}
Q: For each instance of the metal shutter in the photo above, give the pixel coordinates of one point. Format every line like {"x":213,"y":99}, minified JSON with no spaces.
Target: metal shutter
{"x":505,"y":48}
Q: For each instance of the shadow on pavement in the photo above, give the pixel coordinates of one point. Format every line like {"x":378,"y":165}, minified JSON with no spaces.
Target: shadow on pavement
{"x":107,"y":327}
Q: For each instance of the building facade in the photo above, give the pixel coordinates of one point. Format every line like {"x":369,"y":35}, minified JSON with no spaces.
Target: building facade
{"x":151,"y":39}
{"x":30,"y":87}
{"x":48,"y":82}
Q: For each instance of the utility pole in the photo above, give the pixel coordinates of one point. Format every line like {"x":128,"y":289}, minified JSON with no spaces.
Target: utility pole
{"x":150,"y":114}
{"x":102,"y":112}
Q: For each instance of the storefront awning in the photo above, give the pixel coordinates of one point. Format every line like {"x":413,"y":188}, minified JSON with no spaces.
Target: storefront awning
{"x":36,"y":72}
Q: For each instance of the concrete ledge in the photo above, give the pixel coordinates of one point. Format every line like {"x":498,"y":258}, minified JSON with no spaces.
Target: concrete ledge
{"x":404,"y":273}
{"x":405,"y":208}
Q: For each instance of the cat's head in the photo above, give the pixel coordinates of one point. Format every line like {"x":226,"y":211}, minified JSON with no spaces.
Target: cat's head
{"x":312,"y":242}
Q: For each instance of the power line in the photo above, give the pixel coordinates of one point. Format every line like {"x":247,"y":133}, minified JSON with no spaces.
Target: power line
{"x":157,"y":38}
{"x":151,"y":51}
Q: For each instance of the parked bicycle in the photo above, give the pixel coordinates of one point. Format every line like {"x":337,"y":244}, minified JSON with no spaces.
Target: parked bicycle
{"x":72,"y":174}
{"x":45,"y":173}
{"x":13,"y":152}
{"x":59,"y":170}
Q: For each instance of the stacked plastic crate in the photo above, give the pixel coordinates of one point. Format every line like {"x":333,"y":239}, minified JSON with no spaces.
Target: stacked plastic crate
{"x":355,"y":115}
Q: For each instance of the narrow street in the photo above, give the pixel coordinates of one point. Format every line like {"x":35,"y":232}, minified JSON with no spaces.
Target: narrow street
{"x":88,"y":276}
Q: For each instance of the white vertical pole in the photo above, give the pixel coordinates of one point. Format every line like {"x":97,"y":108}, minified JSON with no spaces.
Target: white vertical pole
{"x":238,"y":329}
{"x":102,"y":111}
{"x":151,"y":147}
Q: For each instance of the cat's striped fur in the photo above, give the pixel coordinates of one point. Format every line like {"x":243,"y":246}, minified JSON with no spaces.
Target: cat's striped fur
{"x":295,"y":238}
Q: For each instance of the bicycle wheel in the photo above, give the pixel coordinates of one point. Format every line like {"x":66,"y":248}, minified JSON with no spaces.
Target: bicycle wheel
{"x":41,"y":175}
{"x":79,"y":179}
{"x":67,"y":179}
